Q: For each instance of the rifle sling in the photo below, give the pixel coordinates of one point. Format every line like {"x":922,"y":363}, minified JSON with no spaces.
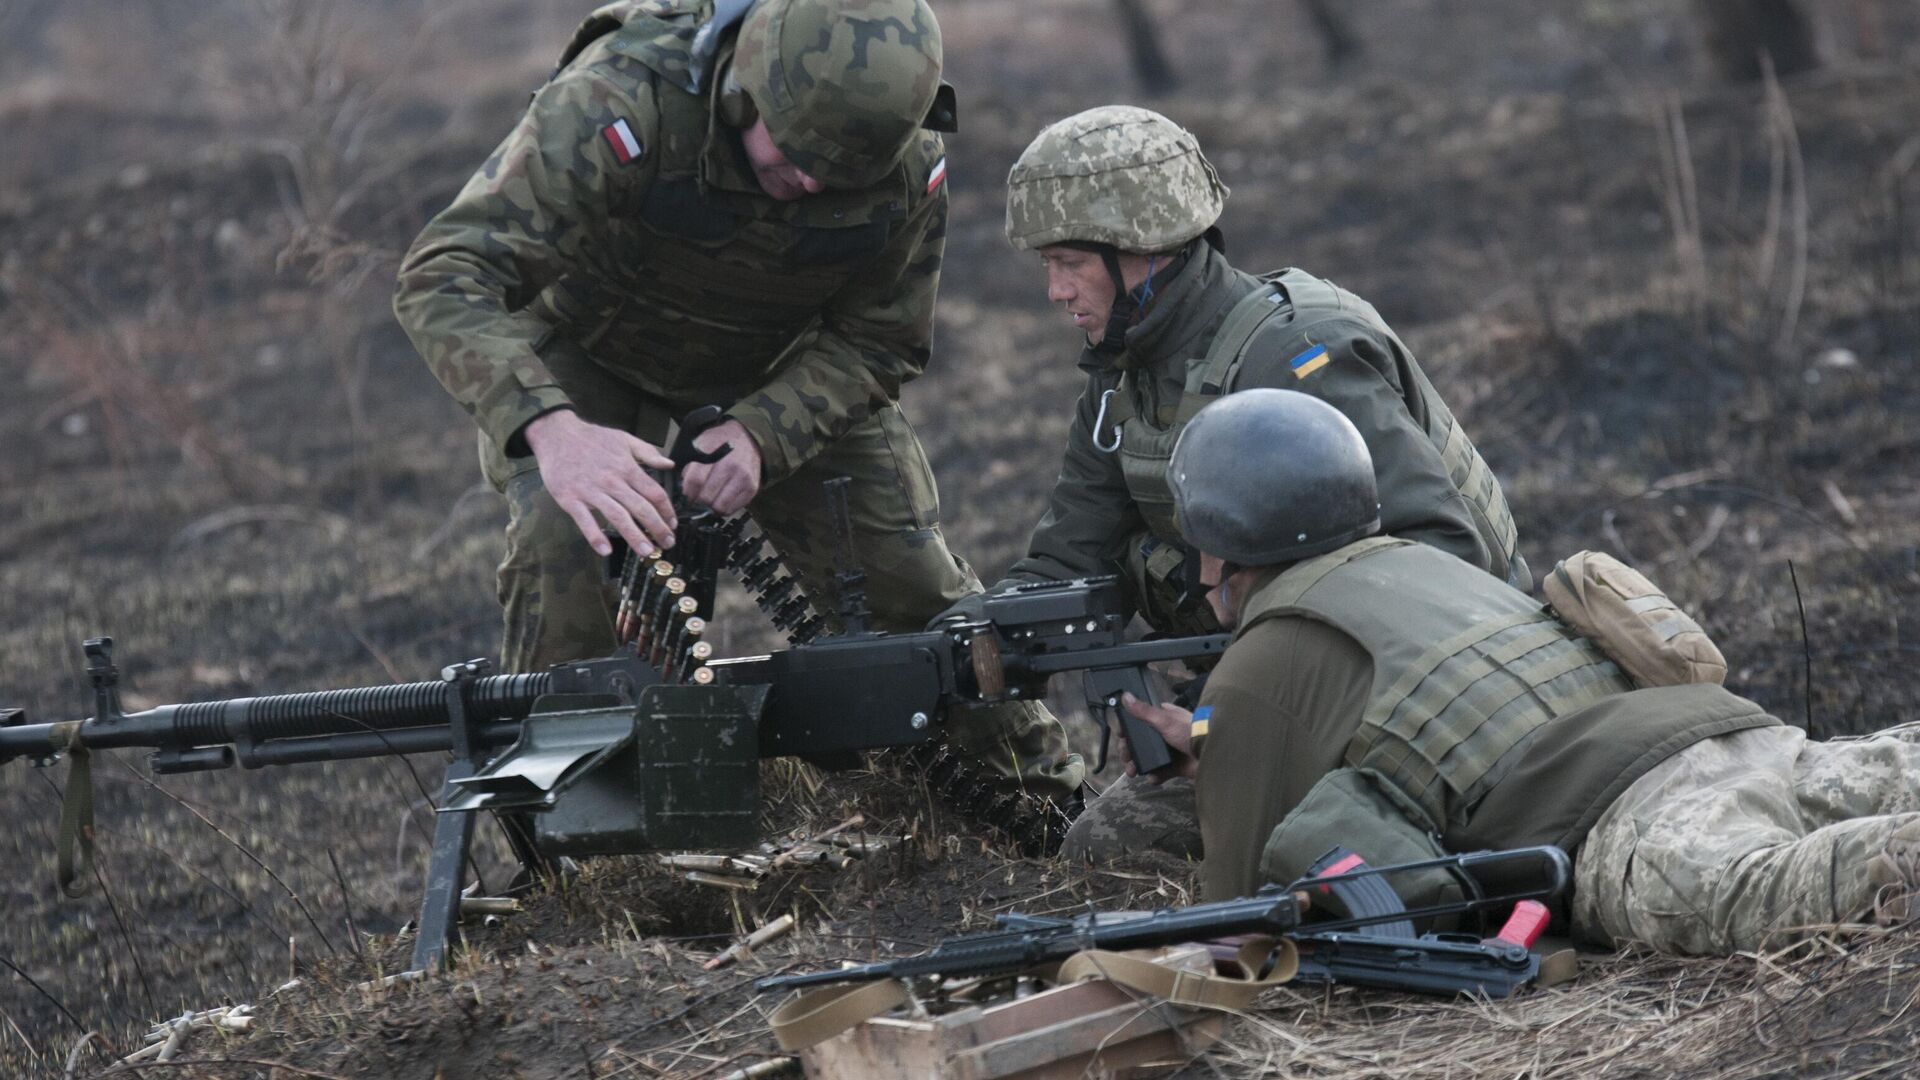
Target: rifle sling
{"x":814,"y":1016}
{"x":72,"y":867}
{"x":1193,"y":989}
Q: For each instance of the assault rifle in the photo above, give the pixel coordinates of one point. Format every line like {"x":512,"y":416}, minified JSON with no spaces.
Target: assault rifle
{"x":615,"y":755}
{"x":1373,"y":944}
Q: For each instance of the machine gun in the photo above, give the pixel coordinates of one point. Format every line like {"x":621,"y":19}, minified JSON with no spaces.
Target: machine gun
{"x":1374,"y":944}
{"x":614,"y":755}
{"x":653,"y":747}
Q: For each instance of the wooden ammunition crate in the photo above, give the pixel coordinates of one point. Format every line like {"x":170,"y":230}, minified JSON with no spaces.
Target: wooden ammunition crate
{"x":1087,"y":1029}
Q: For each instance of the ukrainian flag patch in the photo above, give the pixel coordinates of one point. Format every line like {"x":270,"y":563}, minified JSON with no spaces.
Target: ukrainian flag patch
{"x":1309,"y":362}
{"x":1201,"y":716}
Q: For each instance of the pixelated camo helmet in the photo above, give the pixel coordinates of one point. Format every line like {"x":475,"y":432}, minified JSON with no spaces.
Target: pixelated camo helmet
{"x":1272,"y":476}
{"x":1116,"y":175}
{"x":842,"y":84}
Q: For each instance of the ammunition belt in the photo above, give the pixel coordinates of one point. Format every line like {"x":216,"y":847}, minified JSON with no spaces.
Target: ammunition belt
{"x":1036,"y":826}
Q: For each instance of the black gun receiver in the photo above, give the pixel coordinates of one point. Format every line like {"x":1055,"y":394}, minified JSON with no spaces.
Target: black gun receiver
{"x":1028,"y":635}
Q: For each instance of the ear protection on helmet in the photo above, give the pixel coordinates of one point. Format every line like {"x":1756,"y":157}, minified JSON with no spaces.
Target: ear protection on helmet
{"x":735,"y":107}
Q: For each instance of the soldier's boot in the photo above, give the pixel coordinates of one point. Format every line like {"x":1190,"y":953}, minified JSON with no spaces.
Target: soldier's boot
{"x":1895,"y":876}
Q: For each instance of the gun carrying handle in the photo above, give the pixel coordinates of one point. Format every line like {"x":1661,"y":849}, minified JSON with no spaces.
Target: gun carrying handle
{"x":683,"y":452}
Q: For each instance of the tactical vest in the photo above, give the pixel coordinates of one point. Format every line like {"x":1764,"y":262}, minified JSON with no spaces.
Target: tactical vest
{"x":700,"y":293}
{"x":1271,"y":319}
{"x":1464,"y":668}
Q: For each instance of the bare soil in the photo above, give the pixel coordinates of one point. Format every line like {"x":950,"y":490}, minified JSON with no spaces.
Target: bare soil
{"x":1679,"y":319}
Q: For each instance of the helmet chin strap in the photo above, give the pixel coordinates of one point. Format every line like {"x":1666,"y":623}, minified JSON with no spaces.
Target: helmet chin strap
{"x":1126,"y":303}
{"x":1227,"y":570}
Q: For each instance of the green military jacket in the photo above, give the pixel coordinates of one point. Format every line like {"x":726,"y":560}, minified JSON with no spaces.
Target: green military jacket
{"x":1493,"y":724}
{"x":622,"y":213}
{"x":1111,"y":490}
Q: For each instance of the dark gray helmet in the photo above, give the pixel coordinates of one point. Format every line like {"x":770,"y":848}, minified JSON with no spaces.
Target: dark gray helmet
{"x":1272,"y":476}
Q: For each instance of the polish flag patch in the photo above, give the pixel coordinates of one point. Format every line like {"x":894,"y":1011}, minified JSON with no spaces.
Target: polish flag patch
{"x":939,"y":174}
{"x":625,"y":146}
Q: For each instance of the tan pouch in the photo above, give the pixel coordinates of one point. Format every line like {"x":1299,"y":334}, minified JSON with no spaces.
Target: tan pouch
{"x":1633,"y":622}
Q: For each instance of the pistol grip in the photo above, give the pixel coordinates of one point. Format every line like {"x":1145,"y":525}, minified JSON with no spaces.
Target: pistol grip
{"x":1149,"y":750}
{"x":1104,"y":689}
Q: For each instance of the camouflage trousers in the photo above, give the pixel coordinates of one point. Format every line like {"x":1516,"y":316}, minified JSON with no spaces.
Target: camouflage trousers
{"x":558,"y":606}
{"x":1133,"y":816}
{"x":1738,"y":841}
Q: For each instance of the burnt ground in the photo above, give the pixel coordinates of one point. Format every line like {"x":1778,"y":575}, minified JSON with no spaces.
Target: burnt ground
{"x":1680,"y":320}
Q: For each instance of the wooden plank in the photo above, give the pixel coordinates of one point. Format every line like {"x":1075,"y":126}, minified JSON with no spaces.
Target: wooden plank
{"x":1088,"y":1028}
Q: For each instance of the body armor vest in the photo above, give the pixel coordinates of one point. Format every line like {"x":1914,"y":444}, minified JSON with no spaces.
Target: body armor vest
{"x":1273,"y":318}
{"x":1464,"y":668}
{"x":700,"y":293}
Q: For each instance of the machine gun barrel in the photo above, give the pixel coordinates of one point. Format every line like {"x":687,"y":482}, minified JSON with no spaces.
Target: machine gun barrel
{"x":358,"y":722}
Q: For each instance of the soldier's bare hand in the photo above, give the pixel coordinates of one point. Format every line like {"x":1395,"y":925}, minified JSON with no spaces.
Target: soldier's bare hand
{"x":589,"y":470}
{"x":729,"y":484}
{"x":1175,"y":725}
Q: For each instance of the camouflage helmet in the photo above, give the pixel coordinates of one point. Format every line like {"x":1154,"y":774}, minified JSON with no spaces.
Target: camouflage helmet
{"x":1115,"y":175}
{"x":1272,"y":476}
{"x":842,"y":84}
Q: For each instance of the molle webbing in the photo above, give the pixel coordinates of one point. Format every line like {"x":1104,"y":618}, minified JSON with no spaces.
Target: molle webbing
{"x":1472,"y":698}
{"x":1441,"y":717}
{"x":1474,"y":478}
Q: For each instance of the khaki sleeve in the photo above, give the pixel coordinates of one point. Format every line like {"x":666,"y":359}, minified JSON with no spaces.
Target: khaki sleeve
{"x":1090,"y":512}
{"x":518,"y":224}
{"x":1360,"y":377}
{"x":875,"y":336}
{"x":1279,"y":711}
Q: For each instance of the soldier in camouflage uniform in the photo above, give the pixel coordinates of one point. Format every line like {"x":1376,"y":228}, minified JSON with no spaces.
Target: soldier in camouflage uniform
{"x":1121,"y":206}
{"x":729,"y":203}
{"x":1383,"y":696}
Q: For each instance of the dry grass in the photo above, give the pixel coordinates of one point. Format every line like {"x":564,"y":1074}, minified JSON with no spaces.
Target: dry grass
{"x":1711,"y":373}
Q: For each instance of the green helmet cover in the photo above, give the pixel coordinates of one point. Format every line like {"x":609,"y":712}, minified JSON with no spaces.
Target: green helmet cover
{"x":1116,"y":175}
{"x":843,"y":85}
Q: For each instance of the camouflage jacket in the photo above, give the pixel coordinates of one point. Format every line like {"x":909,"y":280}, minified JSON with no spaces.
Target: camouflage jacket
{"x":621,"y":213}
{"x":1094,"y":511}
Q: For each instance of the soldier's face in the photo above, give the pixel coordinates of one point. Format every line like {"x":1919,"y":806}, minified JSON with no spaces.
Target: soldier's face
{"x":779,"y":178}
{"x":1078,"y":281}
{"x":1225,"y":607}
